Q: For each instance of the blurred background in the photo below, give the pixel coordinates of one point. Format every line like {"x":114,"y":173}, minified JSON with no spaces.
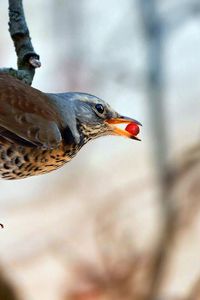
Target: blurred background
{"x":122,"y":220}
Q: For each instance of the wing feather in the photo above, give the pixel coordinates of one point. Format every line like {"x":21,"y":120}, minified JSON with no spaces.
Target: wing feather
{"x":28,"y":113}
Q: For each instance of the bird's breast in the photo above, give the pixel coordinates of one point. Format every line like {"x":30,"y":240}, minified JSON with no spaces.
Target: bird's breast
{"x":20,"y":162}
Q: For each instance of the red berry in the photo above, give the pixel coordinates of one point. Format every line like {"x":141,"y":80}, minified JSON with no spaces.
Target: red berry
{"x":133,"y":128}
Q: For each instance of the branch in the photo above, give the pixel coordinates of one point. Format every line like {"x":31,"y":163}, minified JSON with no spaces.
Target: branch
{"x":27,"y":58}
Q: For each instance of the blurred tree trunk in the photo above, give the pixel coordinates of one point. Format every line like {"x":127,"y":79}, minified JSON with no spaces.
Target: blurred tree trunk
{"x":153,"y":29}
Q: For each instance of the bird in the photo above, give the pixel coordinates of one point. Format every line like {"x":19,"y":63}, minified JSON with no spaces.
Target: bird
{"x":40,"y":132}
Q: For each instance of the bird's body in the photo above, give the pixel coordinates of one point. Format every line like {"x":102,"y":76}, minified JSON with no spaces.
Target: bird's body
{"x":40,"y":132}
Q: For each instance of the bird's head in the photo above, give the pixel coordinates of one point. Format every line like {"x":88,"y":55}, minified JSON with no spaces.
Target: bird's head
{"x":96,"y":118}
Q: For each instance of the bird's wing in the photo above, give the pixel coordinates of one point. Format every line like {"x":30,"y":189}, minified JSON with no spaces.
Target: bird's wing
{"x":27,"y":113}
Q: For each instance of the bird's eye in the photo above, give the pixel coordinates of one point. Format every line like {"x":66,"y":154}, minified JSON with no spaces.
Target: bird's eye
{"x":99,"y":108}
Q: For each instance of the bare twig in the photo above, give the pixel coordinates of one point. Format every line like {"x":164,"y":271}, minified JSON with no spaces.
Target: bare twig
{"x":27,"y":58}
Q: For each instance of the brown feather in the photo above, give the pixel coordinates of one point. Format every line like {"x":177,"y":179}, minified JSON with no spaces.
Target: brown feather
{"x":28,"y":113}
{"x":25,"y":98}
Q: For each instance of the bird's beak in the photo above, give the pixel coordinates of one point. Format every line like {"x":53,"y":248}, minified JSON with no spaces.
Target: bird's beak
{"x":122,"y":120}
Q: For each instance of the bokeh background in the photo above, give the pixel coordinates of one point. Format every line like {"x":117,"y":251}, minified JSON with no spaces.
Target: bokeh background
{"x":122,"y":220}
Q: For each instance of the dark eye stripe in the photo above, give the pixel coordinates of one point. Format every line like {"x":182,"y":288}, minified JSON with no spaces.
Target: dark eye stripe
{"x":99,"y":108}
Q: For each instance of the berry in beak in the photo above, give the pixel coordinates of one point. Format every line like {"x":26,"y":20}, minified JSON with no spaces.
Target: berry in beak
{"x":131,"y":130}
